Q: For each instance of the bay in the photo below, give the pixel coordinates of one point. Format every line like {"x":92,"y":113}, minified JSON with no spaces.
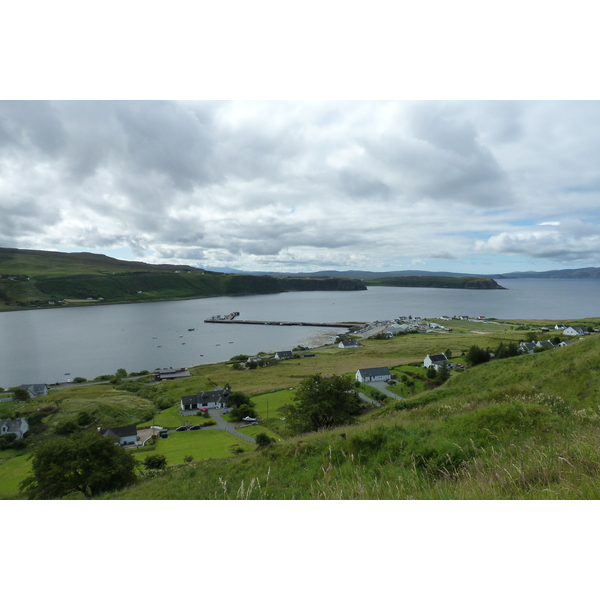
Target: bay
{"x":43,"y":345}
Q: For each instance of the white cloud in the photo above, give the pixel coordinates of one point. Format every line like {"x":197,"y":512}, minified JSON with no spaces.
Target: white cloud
{"x":299,"y":185}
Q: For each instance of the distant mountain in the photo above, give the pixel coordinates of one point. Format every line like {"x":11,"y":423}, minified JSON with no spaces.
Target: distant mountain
{"x":583,"y":273}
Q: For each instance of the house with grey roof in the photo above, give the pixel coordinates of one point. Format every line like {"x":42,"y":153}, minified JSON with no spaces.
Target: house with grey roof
{"x":350,"y":344}
{"x":123,"y":436}
{"x":17,"y":426}
{"x":215,"y":399}
{"x":36,"y":389}
{"x":283,"y":354}
{"x":436,"y":361}
{"x":527,"y":347}
{"x":375,"y":374}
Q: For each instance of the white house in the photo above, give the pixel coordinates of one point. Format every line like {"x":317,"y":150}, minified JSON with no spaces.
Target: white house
{"x":349,"y":344}
{"x":17,"y":426}
{"x":283,"y":354}
{"x":435,"y":361}
{"x":575,"y":330}
{"x":214,"y":399}
{"x":376,"y":374}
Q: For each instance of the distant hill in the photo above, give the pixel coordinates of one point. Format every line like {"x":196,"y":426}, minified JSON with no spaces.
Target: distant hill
{"x":463,"y":283}
{"x":583,"y":273}
{"x":33,"y":278}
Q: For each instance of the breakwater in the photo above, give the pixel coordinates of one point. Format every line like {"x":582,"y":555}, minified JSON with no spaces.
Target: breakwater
{"x":345,"y":325}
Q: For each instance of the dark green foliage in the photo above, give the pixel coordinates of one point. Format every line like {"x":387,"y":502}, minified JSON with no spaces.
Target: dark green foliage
{"x":244,"y":410}
{"x":84,"y":418}
{"x":442,"y":374}
{"x":239,"y":358}
{"x":155,"y":461}
{"x":188,"y":459}
{"x":79,"y":380}
{"x":7,"y":440}
{"x":477,"y":356}
{"x":66,"y":428}
{"x":236,"y":399}
{"x":506,"y":350}
{"x":263,"y":440}
{"x":21,"y":394}
{"x":252,"y":365}
{"x":85,"y":462}
{"x":321,"y":402}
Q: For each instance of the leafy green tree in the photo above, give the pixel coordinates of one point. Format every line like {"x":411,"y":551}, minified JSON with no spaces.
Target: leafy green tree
{"x":443,"y":374}
{"x":476,"y":356}
{"x":121,"y":373}
{"x":237,"y":399}
{"x":85,"y":462}
{"x":155,"y":461}
{"x":84,"y":418}
{"x":448,"y":353}
{"x":323,"y":402}
{"x":21,"y":394}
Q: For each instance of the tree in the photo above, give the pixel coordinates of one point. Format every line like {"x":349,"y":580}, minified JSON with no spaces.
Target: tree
{"x":477,"y":356}
{"x":443,"y":374}
{"x":323,"y":402}
{"x":21,"y":394}
{"x":85,"y":462}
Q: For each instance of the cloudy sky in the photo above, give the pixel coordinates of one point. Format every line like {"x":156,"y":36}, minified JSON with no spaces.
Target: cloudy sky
{"x":479,"y":187}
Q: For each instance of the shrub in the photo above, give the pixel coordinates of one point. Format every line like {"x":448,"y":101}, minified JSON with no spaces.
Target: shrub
{"x":263,"y":440}
{"x":155,"y":461}
{"x":67,"y":427}
{"x":84,"y":418}
{"x":188,"y":459}
{"x":79,"y":380}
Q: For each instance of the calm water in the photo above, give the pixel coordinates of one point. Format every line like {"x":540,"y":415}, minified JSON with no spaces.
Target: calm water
{"x":42,"y":345}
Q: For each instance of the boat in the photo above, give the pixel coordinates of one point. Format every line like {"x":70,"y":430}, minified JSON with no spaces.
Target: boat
{"x":192,"y":329}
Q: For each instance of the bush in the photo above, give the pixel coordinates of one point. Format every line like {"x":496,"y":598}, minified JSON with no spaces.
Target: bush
{"x":155,"y":461}
{"x":66,"y":428}
{"x":188,"y":459}
{"x":263,"y":440}
{"x":84,"y":418}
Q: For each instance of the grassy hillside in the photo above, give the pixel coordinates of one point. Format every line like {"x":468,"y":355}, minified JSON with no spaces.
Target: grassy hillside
{"x":464,"y":283}
{"x":30,"y":278}
{"x":525,"y":427}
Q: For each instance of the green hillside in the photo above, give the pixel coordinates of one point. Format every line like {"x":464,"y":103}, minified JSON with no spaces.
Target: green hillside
{"x":463,"y":283}
{"x":525,"y":427}
{"x":30,"y":278}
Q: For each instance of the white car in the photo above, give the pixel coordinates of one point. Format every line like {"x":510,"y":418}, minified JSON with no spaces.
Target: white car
{"x":249,"y":419}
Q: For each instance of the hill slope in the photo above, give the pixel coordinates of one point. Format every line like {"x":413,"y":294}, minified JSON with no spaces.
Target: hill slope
{"x":525,"y":427}
{"x":32,"y":278}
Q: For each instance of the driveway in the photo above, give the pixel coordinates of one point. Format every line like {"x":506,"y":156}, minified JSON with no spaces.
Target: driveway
{"x":381,"y":385}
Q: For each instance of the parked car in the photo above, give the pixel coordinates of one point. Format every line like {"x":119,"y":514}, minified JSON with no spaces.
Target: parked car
{"x":182,"y":428}
{"x":195,"y":427}
{"x":249,"y":419}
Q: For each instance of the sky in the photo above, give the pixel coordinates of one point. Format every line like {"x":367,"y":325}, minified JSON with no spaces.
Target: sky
{"x":466,"y":186}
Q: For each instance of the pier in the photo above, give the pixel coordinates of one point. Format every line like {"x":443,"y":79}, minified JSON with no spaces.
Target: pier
{"x":345,"y":324}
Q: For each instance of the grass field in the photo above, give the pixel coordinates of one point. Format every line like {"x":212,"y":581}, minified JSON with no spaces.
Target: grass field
{"x":12,"y":472}
{"x":201,"y":445}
